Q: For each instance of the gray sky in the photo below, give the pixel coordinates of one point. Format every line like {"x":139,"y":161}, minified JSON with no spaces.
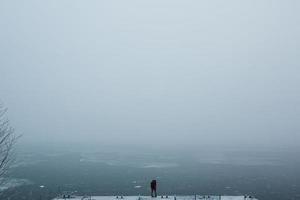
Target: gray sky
{"x":139,"y":72}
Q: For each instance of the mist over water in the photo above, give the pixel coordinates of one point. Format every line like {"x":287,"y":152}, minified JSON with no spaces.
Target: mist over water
{"x":108,"y":95}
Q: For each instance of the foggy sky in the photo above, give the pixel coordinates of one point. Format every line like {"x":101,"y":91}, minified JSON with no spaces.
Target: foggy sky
{"x":152,"y":72}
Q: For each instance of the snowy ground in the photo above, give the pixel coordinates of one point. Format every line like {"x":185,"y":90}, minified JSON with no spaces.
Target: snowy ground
{"x":192,"y":197}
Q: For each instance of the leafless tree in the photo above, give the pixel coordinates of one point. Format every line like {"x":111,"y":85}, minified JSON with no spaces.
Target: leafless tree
{"x":7,"y":141}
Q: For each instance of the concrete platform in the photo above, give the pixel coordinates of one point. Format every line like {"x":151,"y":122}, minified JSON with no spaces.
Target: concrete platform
{"x":171,"y":197}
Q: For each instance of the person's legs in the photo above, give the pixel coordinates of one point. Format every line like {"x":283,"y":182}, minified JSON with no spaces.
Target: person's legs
{"x":155,"y":193}
{"x":152,"y":192}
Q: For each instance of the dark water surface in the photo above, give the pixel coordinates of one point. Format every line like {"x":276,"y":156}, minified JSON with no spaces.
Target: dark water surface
{"x":266,"y":175}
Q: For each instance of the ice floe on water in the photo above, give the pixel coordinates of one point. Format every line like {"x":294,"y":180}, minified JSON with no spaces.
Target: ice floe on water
{"x":118,"y":160}
{"x":160,"y":165}
{"x":12,"y":183}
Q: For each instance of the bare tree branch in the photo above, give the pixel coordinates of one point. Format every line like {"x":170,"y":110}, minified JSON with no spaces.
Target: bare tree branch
{"x":7,"y":141}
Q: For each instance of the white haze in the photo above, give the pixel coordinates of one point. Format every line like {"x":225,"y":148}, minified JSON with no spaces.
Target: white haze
{"x":152,"y":73}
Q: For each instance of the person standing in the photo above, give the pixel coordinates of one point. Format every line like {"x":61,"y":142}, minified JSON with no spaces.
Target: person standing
{"x":153,"y":188}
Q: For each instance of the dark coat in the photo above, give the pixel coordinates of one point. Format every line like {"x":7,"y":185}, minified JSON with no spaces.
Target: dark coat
{"x":153,"y":184}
